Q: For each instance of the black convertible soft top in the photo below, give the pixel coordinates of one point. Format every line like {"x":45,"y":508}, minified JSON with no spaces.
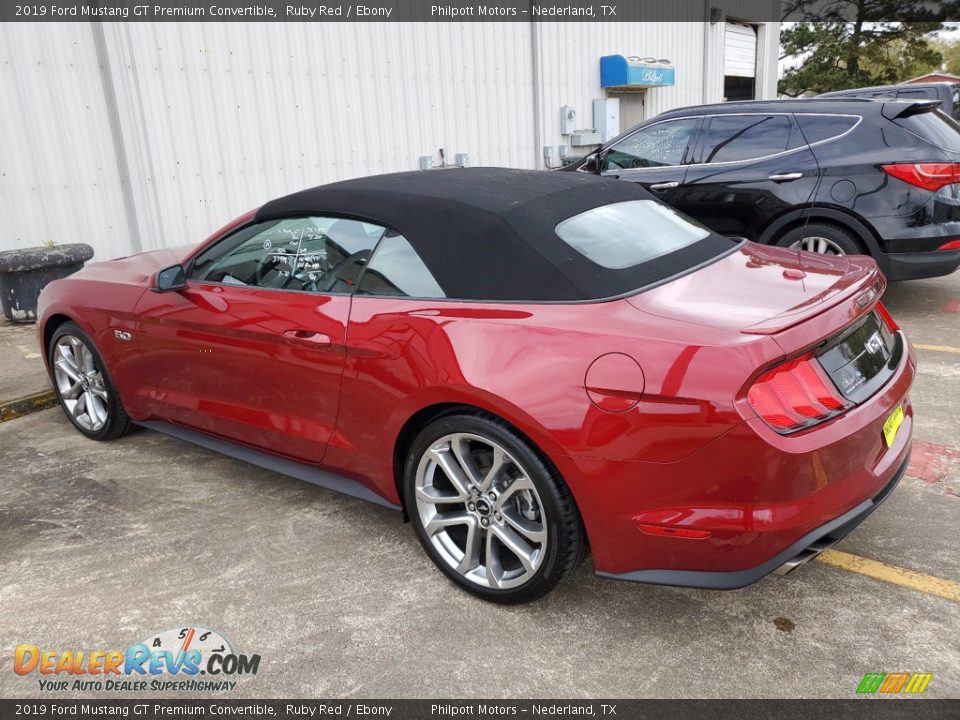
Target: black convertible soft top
{"x":489,"y":233}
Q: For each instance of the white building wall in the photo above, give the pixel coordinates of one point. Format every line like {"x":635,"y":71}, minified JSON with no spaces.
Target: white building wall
{"x":59,"y":176}
{"x":134,"y":136}
{"x":228,"y":116}
{"x":570,"y":55}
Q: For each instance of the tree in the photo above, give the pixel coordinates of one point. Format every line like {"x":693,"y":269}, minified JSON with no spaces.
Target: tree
{"x":851,"y":51}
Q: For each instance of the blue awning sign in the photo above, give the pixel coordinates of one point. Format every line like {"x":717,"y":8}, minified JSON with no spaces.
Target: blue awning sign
{"x":617,"y":71}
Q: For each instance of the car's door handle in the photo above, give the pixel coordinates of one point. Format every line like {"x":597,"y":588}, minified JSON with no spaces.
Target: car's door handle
{"x":785,"y":177}
{"x":665,"y":185}
{"x":307,"y":337}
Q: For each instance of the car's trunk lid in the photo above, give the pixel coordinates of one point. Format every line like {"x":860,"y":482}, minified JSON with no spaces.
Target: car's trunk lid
{"x":762,"y":290}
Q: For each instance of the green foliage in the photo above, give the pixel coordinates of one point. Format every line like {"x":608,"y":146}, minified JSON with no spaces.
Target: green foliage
{"x":951,"y":58}
{"x":839,"y":54}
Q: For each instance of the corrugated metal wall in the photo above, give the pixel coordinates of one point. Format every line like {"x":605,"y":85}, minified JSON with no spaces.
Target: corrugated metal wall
{"x":133,"y":136}
{"x":59,"y":176}
{"x":234,"y":114}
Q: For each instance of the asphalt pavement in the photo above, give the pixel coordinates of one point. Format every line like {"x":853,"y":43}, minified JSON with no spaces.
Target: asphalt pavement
{"x":104,"y":544}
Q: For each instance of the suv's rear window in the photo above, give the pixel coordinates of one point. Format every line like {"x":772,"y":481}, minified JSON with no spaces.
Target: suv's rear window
{"x":934,"y":127}
{"x":626,"y":234}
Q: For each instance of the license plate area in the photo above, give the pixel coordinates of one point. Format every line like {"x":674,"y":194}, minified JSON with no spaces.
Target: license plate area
{"x":892,"y":424}
{"x":863,"y":358}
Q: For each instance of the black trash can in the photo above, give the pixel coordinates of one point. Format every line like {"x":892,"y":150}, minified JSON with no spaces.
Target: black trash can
{"x":24,"y":273}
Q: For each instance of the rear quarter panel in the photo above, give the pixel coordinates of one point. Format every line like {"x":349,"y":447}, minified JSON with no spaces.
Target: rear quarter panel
{"x":527,"y":364}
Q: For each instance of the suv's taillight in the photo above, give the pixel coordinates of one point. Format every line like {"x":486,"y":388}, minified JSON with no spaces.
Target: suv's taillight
{"x":795,"y":395}
{"x":929,"y":176}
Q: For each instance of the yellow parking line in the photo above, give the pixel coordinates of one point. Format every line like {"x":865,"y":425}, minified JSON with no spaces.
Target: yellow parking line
{"x":892,"y":574}
{"x":938,"y":348}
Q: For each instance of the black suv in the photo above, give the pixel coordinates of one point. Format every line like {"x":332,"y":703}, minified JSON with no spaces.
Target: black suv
{"x":840,"y":176}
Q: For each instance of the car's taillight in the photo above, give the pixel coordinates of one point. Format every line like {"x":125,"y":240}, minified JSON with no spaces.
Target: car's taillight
{"x":795,"y":394}
{"x":929,"y":176}
{"x":952,"y":245}
{"x":887,"y":318}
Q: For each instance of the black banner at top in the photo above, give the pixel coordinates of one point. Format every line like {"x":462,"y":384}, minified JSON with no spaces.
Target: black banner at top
{"x":462,"y":11}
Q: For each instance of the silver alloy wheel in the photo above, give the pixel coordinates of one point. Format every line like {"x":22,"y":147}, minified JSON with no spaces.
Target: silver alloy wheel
{"x":817,"y":244}
{"x":80,"y":383}
{"x":481,"y":511}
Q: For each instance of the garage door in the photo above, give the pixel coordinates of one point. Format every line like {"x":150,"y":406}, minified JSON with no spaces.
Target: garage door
{"x":740,"y":50}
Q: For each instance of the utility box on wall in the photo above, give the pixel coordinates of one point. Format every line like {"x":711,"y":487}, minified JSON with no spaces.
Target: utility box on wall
{"x":606,"y":118}
{"x":568,"y":120}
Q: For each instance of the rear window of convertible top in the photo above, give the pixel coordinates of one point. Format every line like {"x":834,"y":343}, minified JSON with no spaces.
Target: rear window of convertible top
{"x":627,"y":234}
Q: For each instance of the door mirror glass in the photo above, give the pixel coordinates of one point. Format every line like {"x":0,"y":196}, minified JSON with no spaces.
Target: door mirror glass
{"x":171,"y":278}
{"x":592,"y":163}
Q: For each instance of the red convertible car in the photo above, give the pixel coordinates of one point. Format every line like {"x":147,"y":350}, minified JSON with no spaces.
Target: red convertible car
{"x":526,"y":364}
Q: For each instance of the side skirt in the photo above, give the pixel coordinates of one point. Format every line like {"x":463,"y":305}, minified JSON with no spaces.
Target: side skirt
{"x":312,"y":475}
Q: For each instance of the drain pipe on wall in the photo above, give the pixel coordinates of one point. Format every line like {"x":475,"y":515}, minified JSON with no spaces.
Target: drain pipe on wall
{"x":537,"y":99}
{"x":706,"y":50}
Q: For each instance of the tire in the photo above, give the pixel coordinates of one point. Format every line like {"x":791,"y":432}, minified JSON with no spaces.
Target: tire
{"x":524,"y":505}
{"x":833,"y":240}
{"x":83,"y":385}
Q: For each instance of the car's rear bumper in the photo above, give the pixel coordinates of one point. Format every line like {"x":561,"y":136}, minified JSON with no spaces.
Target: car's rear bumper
{"x":802,"y":551}
{"x":916,"y":265}
{"x":747,"y":502}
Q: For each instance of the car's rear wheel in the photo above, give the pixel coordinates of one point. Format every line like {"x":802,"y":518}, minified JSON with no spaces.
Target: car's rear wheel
{"x":83,"y":385}
{"x":821,"y":238}
{"x":493,"y":515}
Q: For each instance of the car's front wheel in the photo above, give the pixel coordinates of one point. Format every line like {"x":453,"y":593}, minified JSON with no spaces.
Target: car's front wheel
{"x":493,"y":515}
{"x":83,"y":385}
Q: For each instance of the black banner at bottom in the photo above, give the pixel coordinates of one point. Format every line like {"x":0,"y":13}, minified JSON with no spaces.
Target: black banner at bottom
{"x":873,"y":708}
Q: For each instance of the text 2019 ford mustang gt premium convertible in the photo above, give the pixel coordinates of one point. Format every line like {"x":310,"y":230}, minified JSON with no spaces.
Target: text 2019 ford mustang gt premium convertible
{"x":528,"y":364}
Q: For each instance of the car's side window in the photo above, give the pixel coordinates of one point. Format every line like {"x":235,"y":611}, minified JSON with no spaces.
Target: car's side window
{"x":396,"y":270}
{"x":817,"y":128}
{"x":307,"y":254}
{"x":654,"y":146}
{"x":730,"y":138}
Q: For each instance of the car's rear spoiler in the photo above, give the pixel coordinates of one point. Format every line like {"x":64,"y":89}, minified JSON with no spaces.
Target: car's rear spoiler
{"x":901,"y":109}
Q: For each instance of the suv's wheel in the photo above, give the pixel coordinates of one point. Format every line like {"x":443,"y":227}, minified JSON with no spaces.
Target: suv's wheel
{"x":491,"y":514}
{"x":821,"y":238}
{"x":82,"y":382}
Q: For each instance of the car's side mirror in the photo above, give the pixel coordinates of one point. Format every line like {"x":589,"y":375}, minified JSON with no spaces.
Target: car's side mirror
{"x":171,"y":279}
{"x":592,"y":163}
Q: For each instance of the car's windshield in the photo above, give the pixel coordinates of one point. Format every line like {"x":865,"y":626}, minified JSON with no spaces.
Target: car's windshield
{"x":626,"y":234}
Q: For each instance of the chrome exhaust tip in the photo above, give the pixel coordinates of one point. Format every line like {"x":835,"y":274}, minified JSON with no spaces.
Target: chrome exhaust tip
{"x":804,"y":557}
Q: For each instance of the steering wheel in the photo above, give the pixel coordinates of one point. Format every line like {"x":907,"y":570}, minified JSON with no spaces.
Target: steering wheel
{"x":341,"y":272}
{"x":270,"y":261}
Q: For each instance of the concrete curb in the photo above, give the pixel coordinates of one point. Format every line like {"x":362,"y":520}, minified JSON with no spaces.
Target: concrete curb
{"x":42,"y":400}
